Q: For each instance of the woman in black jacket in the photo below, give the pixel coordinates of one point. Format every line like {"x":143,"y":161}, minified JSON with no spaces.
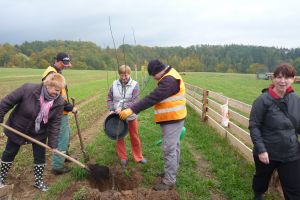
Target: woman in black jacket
{"x":274,"y":123}
{"x":37,"y":113}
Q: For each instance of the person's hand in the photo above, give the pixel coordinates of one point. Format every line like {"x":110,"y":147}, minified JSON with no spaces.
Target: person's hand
{"x":54,"y":150}
{"x":75,"y":110}
{"x":124,"y":114}
{"x":111,"y":112}
{"x":264,"y":157}
{"x":118,"y":110}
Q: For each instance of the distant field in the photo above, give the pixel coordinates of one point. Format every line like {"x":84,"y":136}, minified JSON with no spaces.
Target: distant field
{"x":77,"y":81}
{"x":85,"y":83}
{"x":243,"y":87}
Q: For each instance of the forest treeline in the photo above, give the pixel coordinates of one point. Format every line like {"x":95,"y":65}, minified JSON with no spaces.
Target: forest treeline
{"x":206,"y":58}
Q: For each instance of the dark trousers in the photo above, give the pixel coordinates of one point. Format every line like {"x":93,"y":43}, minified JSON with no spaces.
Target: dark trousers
{"x":12,"y":149}
{"x":289,"y":176}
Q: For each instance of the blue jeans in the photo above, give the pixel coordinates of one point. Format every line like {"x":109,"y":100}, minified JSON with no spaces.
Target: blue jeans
{"x":63,"y":143}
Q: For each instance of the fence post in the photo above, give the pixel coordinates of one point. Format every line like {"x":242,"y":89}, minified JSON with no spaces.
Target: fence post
{"x":204,"y":105}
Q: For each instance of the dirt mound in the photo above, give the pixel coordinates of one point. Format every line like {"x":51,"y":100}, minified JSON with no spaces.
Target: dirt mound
{"x":137,"y":193}
{"x":122,"y":185}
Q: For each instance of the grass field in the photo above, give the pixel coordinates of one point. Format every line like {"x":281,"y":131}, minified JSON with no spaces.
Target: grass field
{"x":227,"y":174}
{"x":243,"y":87}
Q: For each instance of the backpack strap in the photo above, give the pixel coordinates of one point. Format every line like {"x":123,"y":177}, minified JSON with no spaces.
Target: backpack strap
{"x":284,"y":109}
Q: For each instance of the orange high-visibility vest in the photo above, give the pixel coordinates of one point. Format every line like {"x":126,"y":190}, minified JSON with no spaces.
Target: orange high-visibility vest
{"x":63,"y":92}
{"x":173,"y":107}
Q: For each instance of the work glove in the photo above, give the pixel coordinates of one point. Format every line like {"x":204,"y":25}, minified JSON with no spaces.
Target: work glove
{"x":124,"y":114}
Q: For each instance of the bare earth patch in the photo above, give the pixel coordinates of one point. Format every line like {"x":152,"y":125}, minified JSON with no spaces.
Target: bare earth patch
{"x":123,"y":185}
{"x":203,"y":170}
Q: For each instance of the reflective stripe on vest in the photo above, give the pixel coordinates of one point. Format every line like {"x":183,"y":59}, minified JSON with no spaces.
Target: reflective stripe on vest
{"x":172,"y":98}
{"x":173,"y":107}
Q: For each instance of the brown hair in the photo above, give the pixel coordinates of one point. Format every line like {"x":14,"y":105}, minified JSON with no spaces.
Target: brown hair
{"x":55,"y":80}
{"x":124,"y":69}
{"x":285,"y":69}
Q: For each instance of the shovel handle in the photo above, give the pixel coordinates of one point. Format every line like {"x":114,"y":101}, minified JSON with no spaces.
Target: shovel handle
{"x":26,"y":136}
{"x":86,"y":157}
{"x":43,"y":145}
{"x":69,"y":158}
{"x":73,"y":101}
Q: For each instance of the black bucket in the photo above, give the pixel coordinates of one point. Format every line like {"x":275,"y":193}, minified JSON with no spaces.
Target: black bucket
{"x":114,"y":127}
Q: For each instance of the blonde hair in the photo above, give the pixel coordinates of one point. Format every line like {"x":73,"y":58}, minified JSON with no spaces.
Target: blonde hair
{"x":55,"y":80}
{"x":124,"y":69}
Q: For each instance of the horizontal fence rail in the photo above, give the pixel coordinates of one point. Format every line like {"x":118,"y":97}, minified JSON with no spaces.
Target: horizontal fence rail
{"x":208,"y":105}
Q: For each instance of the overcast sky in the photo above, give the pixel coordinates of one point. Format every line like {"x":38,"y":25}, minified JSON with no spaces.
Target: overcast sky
{"x":153,"y":22}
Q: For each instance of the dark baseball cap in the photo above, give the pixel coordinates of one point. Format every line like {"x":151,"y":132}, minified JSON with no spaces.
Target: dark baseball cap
{"x":64,"y":58}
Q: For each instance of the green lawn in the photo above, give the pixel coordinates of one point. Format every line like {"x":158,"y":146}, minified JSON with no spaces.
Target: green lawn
{"x":243,"y":87}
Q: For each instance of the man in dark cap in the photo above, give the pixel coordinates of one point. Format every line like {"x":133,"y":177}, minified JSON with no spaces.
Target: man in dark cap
{"x":169,"y":102}
{"x":61,"y":62}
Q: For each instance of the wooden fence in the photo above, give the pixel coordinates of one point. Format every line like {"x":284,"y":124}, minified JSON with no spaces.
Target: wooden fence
{"x":208,"y":105}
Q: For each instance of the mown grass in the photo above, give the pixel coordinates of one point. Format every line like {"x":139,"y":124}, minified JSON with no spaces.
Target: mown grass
{"x":243,"y":87}
{"x":81,"y":84}
{"x":230,"y":174}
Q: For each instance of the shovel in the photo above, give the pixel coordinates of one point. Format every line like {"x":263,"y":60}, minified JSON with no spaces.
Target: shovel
{"x":85,"y":156}
{"x":96,"y":172}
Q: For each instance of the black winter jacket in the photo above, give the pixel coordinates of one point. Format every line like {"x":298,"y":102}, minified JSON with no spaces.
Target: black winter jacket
{"x":22,"y":118}
{"x":271,"y":131}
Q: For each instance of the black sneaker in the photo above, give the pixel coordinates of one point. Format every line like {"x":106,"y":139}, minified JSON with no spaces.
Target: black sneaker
{"x":163,"y":186}
{"x":61,"y":171}
{"x":160,"y":174}
{"x":258,"y":196}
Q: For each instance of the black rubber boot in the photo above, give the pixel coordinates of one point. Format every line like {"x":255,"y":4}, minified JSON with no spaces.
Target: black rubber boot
{"x":4,"y":168}
{"x":38,"y":171}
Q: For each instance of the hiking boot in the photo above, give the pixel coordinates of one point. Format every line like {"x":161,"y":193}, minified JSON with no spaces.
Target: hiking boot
{"x":143,"y":161}
{"x":123,"y":163}
{"x":61,"y":171}
{"x":258,"y":196}
{"x":163,"y":186}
